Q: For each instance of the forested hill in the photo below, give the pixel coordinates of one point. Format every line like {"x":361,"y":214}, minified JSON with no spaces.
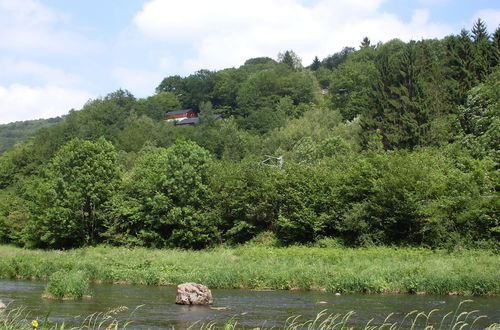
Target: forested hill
{"x":390,"y":144}
{"x":19,"y":131}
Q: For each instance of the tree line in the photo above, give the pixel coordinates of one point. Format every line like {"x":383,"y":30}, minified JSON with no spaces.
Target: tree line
{"x":391,"y":144}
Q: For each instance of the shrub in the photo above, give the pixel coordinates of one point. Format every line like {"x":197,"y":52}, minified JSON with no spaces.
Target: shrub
{"x":67,"y":285}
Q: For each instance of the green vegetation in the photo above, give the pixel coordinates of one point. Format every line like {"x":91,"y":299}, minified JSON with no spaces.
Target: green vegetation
{"x":18,"y":319}
{"x":12,"y":133}
{"x":393,"y":144}
{"x":66,"y":285}
{"x":412,"y":320}
{"x":370,"y":270}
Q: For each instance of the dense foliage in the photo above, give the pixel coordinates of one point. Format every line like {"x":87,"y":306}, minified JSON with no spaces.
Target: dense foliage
{"x":390,"y":144}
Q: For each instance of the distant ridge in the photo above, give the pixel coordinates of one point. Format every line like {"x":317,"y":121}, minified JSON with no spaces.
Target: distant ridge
{"x":19,"y":131}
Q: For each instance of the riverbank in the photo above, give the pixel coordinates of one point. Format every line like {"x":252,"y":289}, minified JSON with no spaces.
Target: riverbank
{"x":367,"y":270}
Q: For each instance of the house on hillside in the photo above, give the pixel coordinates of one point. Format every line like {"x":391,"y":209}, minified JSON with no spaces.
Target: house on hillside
{"x":194,"y":120}
{"x":179,"y":115}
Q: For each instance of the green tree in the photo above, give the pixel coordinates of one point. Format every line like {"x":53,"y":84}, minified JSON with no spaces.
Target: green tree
{"x":165,"y":201}
{"x":323,"y":75}
{"x":246,"y":197}
{"x":479,"y":31}
{"x":315,"y":64}
{"x":483,"y":50}
{"x":333,"y":61}
{"x":173,"y":84}
{"x":306,"y":205}
{"x":207,"y":114}
{"x":258,"y":91}
{"x":69,"y":199}
{"x":198,"y":87}
{"x":460,"y":63}
{"x":226,"y":140}
{"x":290,"y":59}
{"x":138,"y":131}
{"x":158,"y":105}
{"x":394,"y":101}
{"x":480,"y":118}
{"x":365,"y":43}
{"x":226,"y":87}
{"x":496,"y":41}
{"x":351,"y":83}
{"x":13,"y":216}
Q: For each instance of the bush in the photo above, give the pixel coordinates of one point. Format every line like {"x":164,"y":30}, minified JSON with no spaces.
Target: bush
{"x":328,"y":243}
{"x":67,"y":285}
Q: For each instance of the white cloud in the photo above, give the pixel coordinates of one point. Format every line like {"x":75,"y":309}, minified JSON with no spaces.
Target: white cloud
{"x":21,"y":102}
{"x":35,"y":71}
{"x":28,"y":25}
{"x":140,"y":82}
{"x":428,"y":3}
{"x":31,"y":33}
{"x":225,"y":33}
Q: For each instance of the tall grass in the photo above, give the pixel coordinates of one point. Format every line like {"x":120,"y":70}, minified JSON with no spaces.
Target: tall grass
{"x":412,"y":320}
{"x":67,"y":285}
{"x":368,"y":270}
{"x":20,"y":319}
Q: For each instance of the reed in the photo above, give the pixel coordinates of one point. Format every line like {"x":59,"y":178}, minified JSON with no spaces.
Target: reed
{"x":19,"y":318}
{"x":67,"y":285}
{"x":330,"y":269}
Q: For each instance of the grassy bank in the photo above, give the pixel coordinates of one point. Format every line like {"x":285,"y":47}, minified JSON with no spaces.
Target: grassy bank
{"x":370,"y":270}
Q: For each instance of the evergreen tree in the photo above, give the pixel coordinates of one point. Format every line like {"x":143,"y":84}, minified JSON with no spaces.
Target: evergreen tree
{"x":316,"y":64}
{"x":333,"y":61}
{"x":374,"y":120}
{"x":365,"y":43}
{"x":496,"y":39}
{"x":483,"y":51}
{"x":290,"y":59}
{"x":496,"y":46}
{"x":460,"y":63}
{"x":479,"y":31}
{"x":397,"y":110}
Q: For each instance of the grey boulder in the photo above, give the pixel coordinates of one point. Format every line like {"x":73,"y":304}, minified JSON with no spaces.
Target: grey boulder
{"x":193,"y":294}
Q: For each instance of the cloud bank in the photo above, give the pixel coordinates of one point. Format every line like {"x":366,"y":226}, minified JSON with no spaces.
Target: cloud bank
{"x":21,"y":102}
{"x":29,"y":88}
{"x":225,"y":33}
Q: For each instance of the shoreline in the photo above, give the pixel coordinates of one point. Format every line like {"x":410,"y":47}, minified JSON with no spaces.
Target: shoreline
{"x":378,"y":270}
{"x":173,"y":285}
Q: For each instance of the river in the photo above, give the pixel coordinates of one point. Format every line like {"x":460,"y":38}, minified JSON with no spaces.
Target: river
{"x":250,"y":308}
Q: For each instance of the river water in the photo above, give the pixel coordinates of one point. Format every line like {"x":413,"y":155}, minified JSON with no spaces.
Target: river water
{"x":249,"y":308}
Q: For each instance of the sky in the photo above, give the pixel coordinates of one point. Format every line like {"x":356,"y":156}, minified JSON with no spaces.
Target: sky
{"x":55,"y":55}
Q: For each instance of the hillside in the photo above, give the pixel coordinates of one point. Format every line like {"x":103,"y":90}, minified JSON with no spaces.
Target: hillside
{"x":12,"y":133}
{"x":389,"y":144}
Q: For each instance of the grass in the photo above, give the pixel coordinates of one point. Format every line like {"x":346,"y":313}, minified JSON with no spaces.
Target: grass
{"x":368,"y":270}
{"x":18,"y":318}
{"x":65,"y":285}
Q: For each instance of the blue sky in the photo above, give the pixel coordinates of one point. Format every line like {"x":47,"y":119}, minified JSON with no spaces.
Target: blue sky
{"x":57,"y":54}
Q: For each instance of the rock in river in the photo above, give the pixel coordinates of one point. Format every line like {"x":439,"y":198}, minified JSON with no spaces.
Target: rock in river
{"x":193,"y":294}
